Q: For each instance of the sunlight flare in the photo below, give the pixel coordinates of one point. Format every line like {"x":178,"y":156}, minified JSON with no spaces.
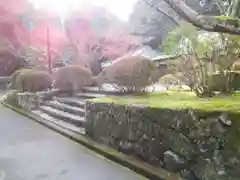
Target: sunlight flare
{"x":62,"y":7}
{"x":121,"y":9}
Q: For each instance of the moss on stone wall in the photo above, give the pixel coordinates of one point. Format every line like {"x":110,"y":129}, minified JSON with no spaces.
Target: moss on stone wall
{"x":179,"y":100}
{"x":197,"y":144}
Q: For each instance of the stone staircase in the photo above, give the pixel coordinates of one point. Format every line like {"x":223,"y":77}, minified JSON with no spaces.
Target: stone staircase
{"x":62,"y":109}
{"x":69,"y":111}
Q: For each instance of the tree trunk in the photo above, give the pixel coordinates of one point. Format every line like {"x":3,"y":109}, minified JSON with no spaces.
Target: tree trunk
{"x":209,"y":23}
{"x":234,"y":8}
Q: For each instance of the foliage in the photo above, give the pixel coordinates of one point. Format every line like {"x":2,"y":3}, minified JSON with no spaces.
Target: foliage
{"x":153,"y":19}
{"x":193,"y":64}
{"x":91,"y":48}
{"x":206,"y":54}
{"x":179,"y":100}
{"x":236,"y":66}
{"x":14,"y":76}
{"x":72,"y":78}
{"x":10,"y":59}
{"x":9,"y":63}
{"x":193,"y":72}
{"x":222,"y":24}
{"x":80,"y":31}
{"x":33,"y":81}
{"x":169,"y":80}
{"x":219,"y":81}
{"x":225,"y":56}
{"x":94,"y":54}
{"x":32,"y":56}
{"x":129,"y":74}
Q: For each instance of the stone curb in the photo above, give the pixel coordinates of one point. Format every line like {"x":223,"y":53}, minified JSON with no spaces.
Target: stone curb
{"x":132,"y":163}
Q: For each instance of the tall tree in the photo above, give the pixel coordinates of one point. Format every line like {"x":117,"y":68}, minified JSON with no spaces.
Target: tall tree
{"x":228,"y":22}
{"x":154,"y":19}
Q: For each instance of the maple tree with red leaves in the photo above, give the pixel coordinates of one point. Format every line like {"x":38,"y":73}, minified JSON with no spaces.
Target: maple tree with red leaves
{"x":83,"y":36}
{"x":119,"y":45}
{"x":95,"y":48}
{"x":25,"y":27}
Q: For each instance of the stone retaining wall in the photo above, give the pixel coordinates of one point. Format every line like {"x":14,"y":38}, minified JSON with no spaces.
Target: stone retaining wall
{"x":198,"y":145}
{"x":4,"y":82}
{"x":29,"y":100}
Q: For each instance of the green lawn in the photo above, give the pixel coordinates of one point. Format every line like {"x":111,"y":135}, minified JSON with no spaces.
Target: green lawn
{"x":179,"y":100}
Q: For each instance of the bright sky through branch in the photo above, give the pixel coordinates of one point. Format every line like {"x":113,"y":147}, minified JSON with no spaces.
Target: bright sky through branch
{"x":121,"y":9}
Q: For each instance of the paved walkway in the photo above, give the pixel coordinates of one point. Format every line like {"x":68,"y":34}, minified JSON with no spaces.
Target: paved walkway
{"x":30,"y":151}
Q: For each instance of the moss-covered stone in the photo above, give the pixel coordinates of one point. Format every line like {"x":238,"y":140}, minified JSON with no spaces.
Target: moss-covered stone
{"x":202,"y":144}
{"x":11,"y":98}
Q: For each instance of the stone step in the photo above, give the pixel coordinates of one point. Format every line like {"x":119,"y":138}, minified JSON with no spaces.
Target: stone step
{"x":65,"y":107}
{"x":89,"y":95}
{"x":99,"y":91}
{"x":73,"y":119}
{"x":71,"y":101}
{"x":105,"y":91}
{"x":63,"y":124}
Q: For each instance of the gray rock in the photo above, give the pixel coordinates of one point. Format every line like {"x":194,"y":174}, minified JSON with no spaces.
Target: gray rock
{"x":198,"y":146}
{"x":173,"y":162}
{"x":224,"y":119}
{"x":207,"y":169}
{"x":179,"y":143}
{"x":126,"y":147}
{"x":186,"y":174}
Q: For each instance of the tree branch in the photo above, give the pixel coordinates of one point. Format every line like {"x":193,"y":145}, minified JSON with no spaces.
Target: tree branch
{"x":162,"y":12}
{"x":234,"y":8}
{"x":221,"y":9}
{"x":208,"y":23}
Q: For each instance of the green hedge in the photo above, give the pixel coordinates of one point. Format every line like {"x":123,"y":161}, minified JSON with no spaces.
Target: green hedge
{"x":219,"y":81}
{"x":14,"y":76}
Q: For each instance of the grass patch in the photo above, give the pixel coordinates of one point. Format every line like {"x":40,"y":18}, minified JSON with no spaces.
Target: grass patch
{"x":179,"y":100}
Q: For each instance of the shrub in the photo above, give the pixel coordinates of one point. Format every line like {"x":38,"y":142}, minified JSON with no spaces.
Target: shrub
{"x":33,"y":81}
{"x":219,"y":81}
{"x":193,"y":72}
{"x":169,"y":80}
{"x":72,"y":78}
{"x":236,"y":81}
{"x":14,"y":76}
{"x":236,"y":66}
{"x":131,"y":74}
{"x":214,"y":52}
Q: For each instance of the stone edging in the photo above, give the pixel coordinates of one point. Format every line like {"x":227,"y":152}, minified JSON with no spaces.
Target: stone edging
{"x":138,"y":166}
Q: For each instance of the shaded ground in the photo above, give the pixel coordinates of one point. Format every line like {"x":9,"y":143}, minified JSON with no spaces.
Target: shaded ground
{"x":30,"y":151}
